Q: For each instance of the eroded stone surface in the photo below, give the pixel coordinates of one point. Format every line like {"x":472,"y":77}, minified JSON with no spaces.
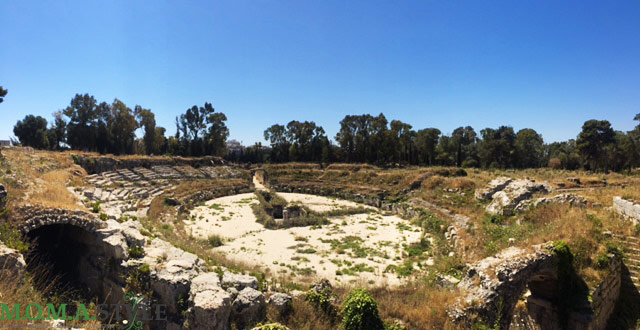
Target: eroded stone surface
{"x":3,"y":196}
{"x":12,"y":263}
{"x":492,"y":187}
{"x":568,"y":199}
{"x":248,"y":307}
{"x":238,"y":281}
{"x":281,"y":303}
{"x":498,"y":281}
{"x":505,"y":201}
{"x":211,"y":305}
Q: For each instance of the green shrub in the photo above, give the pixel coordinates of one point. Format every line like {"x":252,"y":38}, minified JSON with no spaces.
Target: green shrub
{"x":270,"y":326}
{"x":321,"y":301}
{"x":360,"y":312}
{"x":215,"y":241}
{"x":139,"y":280}
{"x":95,"y":208}
{"x":136,"y":251}
{"x":12,"y":238}
{"x":103,"y":217}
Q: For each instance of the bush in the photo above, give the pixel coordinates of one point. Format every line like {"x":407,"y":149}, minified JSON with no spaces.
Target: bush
{"x":321,"y":301}
{"x":95,"y":208}
{"x":136,"y":251}
{"x":271,"y":326}
{"x":214,"y":241}
{"x":360,"y":312}
{"x":12,"y":238}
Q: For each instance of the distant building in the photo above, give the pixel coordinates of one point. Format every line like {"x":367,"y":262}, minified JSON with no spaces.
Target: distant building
{"x":5,"y":143}
{"x":233,"y":146}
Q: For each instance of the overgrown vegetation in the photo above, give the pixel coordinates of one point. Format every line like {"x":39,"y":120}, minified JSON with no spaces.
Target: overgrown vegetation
{"x":360,"y":312}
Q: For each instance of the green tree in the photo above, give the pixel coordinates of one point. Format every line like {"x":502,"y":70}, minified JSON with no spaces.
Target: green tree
{"x":496,"y":149}
{"x":58,"y":131}
{"x":529,"y":148}
{"x":217,"y":134}
{"x":563,"y":155}
{"x":464,"y":140}
{"x":426,"y":142}
{"x":596,"y":136}
{"x":3,"y":93}
{"x":32,"y":132}
{"x":160,"y":143}
{"x":122,"y":127}
{"x":277,"y":137}
{"x":147,"y":121}
{"x":81,"y":129}
{"x":201,"y":130}
{"x":403,"y":137}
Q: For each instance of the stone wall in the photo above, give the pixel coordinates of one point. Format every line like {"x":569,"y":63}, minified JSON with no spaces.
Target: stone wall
{"x":190,"y":201}
{"x":368,"y":199}
{"x":605,"y":295}
{"x":627,"y":209}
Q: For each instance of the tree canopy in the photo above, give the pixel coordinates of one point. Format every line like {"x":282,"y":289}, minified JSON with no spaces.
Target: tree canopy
{"x":87,"y":124}
{"x":3,"y":93}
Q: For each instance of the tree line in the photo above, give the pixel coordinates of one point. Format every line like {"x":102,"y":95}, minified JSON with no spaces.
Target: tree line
{"x":105,"y":127}
{"x":373,"y":139}
{"x":111,"y":128}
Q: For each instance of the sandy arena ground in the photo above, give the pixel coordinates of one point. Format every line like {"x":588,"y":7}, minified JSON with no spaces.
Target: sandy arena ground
{"x":351,"y":248}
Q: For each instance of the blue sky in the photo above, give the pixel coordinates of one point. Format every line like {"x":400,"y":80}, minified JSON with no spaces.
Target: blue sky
{"x":547,"y":65}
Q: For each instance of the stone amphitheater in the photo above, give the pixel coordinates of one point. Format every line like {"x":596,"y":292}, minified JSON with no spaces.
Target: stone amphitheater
{"x":106,"y":252}
{"x":130,"y":191}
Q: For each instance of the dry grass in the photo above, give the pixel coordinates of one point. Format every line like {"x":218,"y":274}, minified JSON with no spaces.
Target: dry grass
{"x":432,"y":182}
{"x":417,"y":306}
{"x":460,"y":183}
{"x":52,"y":190}
{"x":24,"y":293}
{"x":40,"y":177}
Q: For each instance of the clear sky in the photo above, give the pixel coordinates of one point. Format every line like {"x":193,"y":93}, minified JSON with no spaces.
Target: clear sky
{"x":547,"y":65}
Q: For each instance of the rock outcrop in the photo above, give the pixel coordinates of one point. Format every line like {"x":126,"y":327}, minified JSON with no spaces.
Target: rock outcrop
{"x":280,"y":303}
{"x":248,"y":308}
{"x":518,"y":290}
{"x":238,"y":281}
{"x":493,"y":187}
{"x":12,"y":263}
{"x":506,"y":200}
{"x":3,"y":197}
{"x":568,"y":199}
{"x":490,"y":295}
{"x":508,"y":196}
{"x":211,"y":305}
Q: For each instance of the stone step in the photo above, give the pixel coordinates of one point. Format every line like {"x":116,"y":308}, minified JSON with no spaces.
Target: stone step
{"x":632,"y":251}
{"x":632,"y":261}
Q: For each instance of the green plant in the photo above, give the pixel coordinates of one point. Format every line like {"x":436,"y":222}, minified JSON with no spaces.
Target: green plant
{"x":103,"y":217}
{"x":215,"y":241}
{"x":136,"y":251}
{"x":360,"y":312}
{"x":270,"y":326}
{"x":95,"y":207}
{"x":12,"y":238}
{"x":321,"y":301}
{"x":139,"y":280}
